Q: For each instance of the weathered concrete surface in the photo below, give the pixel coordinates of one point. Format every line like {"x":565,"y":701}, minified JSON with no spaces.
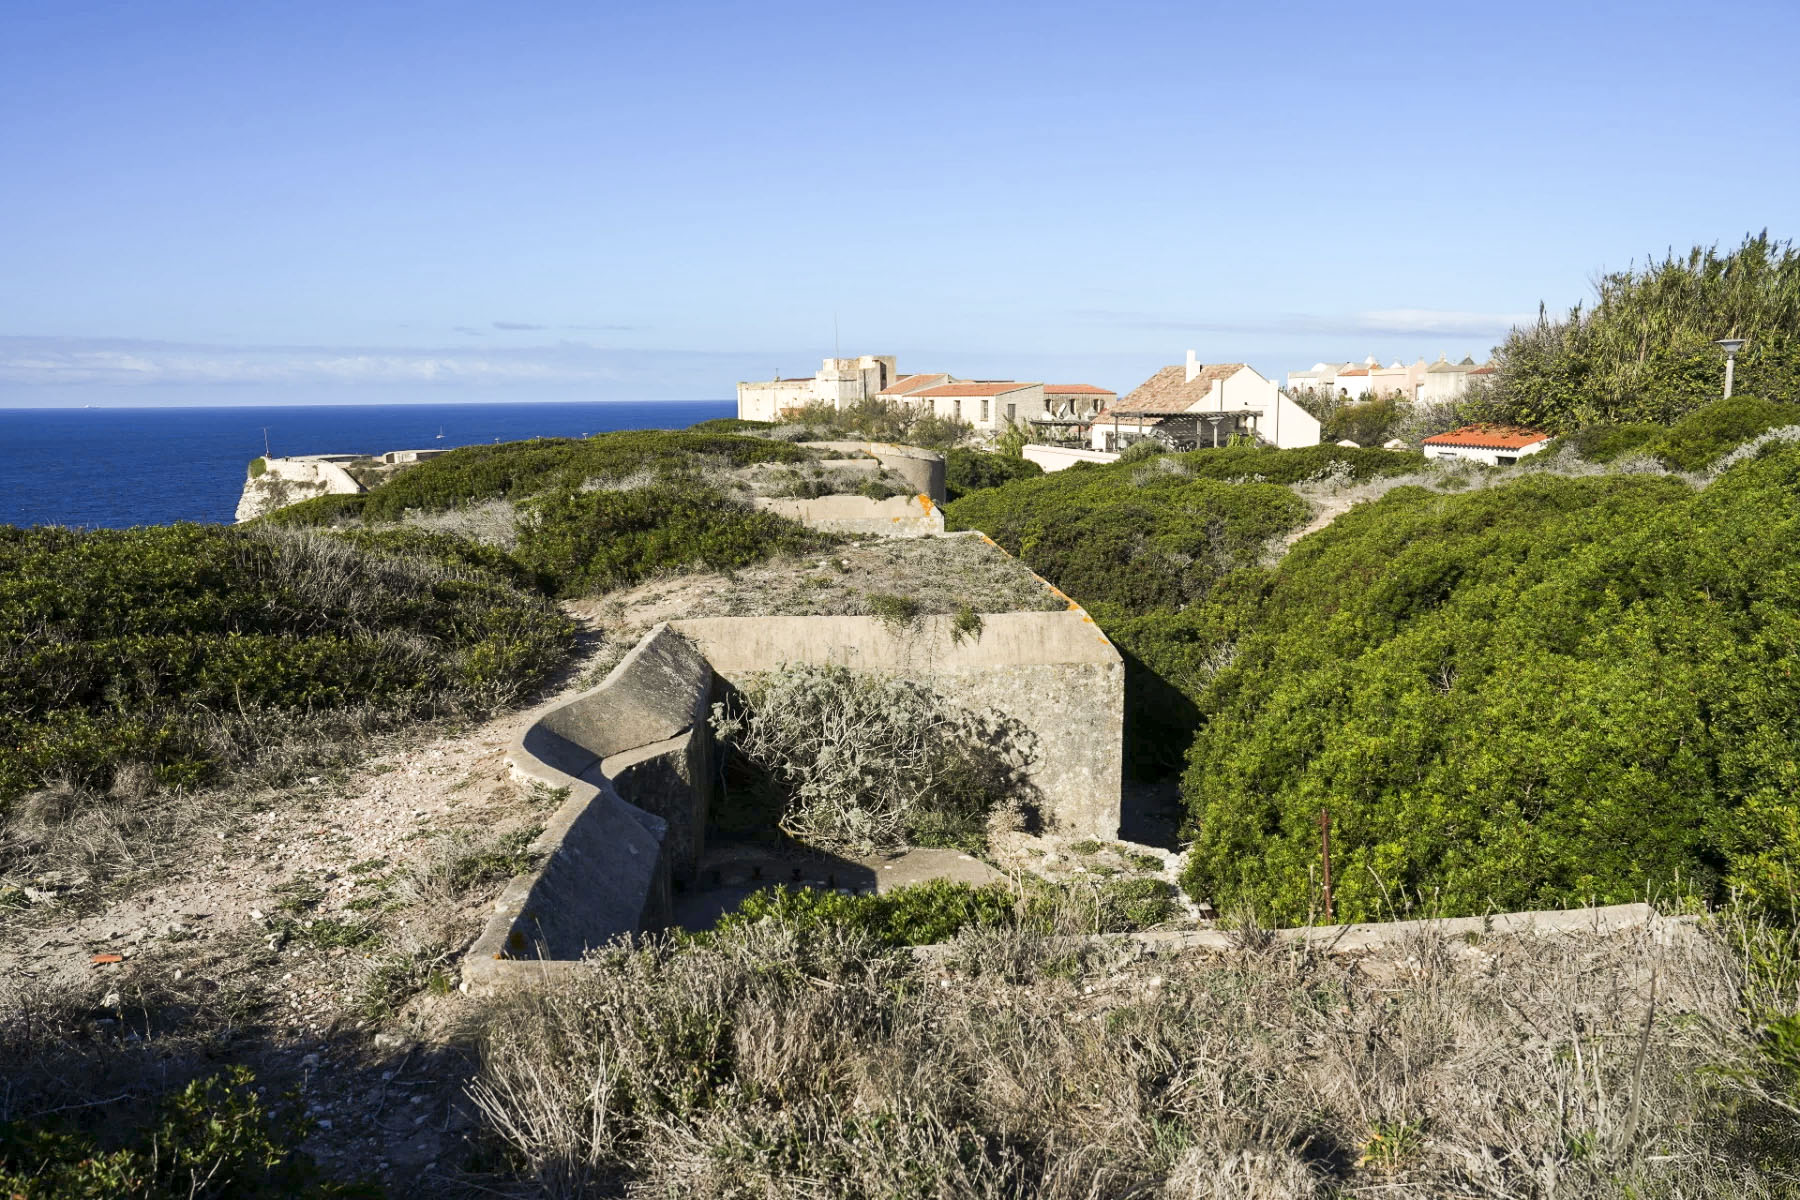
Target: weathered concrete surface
{"x":635,"y":755}
{"x":1060,"y":458}
{"x":1383,"y":935}
{"x":922,"y":468}
{"x":1055,"y":674}
{"x":896,"y":516}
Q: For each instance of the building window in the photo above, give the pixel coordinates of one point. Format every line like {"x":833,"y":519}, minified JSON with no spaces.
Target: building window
{"x":984,"y":410}
{"x":956,"y":408}
{"x":1012,"y":413}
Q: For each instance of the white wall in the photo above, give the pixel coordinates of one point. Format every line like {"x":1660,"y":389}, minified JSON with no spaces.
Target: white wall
{"x":1057,"y":458}
{"x":1482,"y":454}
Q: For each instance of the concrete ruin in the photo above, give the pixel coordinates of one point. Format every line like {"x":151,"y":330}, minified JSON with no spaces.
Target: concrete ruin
{"x":636,"y":756}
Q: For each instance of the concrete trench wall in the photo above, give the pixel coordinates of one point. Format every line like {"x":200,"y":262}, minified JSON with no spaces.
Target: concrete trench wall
{"x":896,"y":516}
{"x":635,"y":754}
{"x":924,"y":469}
{"x":1054,"y":673}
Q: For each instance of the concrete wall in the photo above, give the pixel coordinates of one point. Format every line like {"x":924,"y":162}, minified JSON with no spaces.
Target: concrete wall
{"x":1057,"y":458}
{"x":896,"y":516}
{"x":635,"y":754}
{"x":924,"y":469}
{"x":767,"y":400}
{"x":1053,"y":672}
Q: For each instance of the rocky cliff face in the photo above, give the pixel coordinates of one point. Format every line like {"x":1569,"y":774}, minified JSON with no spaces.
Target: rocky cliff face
{"x":285,"y":481}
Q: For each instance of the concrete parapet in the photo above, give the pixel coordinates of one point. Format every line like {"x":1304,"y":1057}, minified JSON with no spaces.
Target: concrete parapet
{"x":635,"y":756}
{"x":1386,"y":935}
{"x":1058,"y":458}
{"x":896,"y":516}
{"x":922,"y":468}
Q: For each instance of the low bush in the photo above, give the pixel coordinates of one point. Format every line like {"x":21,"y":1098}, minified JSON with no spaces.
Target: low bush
{"x":560,"y":465}
{"x":919,"y":914}
{"x":217,"y":1137}
{"x":1104,"y":535}
{"x":879,"y":420}
{"x":181,"y":649}
{"x":1549,"y":692}
{"x":586,"y":541}
{"x":1702,"y":437}
{"x":868,"y":762}
{"x":730,"y":425}
{"x":768,"y":1063}
{"x":1608,"y":443}
{"x":968,"y":470}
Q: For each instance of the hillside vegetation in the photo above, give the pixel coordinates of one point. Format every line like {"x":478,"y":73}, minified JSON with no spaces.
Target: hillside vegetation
{"x":1141,"y":544}
{"x":586,"y":515}
{"x":1643,"y":350}
{"x":157,"y":656}
{"x":1548,"y":692}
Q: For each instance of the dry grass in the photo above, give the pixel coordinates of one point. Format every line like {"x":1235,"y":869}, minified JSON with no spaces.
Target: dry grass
{"x":940,"y":575}
{"x":776,"y":1066}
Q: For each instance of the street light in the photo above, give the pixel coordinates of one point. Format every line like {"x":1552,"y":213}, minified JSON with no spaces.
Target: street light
{"x":1731,"y":346}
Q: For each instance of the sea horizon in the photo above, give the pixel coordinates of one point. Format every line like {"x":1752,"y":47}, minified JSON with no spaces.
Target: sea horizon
{"x":117,"y":466}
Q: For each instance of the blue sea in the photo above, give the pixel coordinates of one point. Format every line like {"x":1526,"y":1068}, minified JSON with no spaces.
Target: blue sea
{"x":115,"y":467}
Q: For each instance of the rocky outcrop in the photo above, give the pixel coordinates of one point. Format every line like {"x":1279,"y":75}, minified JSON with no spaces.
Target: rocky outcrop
{"x":278,"y":482}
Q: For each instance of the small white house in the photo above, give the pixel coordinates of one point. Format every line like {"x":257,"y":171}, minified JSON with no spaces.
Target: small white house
{"x":1495,"y":445}
{"x":1204,"y":404}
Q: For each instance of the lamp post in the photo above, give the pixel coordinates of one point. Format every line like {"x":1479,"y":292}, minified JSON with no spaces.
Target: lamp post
{"x":1731,"y":346}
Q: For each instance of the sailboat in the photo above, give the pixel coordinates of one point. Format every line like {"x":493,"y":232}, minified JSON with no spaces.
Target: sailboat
{"x":440,"y":436}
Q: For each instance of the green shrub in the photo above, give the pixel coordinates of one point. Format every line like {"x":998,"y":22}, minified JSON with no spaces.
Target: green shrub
{"x":968,"y":470}
{"x":868,"y":762}
{"x":589,"y":541}
{"x":558,"y":465}
{"x":1702,"y":437}
{"x":1367,"y":422}
{"x":729,"y":425}
{"x":1100,"y":536}
{"x":919,"y":914}
{"x":183,"y":648}
{"x":1554,"y":691}
{"x":877,"y":420}
{"x":1608,"y":443}
{"x":1643,"y":351}
{"x":258,"y":466}
{"x":330,"y":510}
{"x":215,"y":1137}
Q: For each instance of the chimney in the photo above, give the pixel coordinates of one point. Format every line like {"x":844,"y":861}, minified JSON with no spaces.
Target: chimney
{"x":1193,"y":367}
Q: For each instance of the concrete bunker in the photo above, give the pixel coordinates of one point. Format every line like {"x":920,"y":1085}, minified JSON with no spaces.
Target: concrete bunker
{"x":636,"y":756}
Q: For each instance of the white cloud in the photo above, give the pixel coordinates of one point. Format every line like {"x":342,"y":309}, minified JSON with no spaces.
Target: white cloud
{"x":51,"y":361}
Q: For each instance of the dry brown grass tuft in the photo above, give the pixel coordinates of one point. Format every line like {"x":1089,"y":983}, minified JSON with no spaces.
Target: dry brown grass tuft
{"x":775,"y":1066}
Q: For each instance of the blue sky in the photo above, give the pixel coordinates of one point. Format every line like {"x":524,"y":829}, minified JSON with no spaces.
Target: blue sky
{"x":272,"y":203}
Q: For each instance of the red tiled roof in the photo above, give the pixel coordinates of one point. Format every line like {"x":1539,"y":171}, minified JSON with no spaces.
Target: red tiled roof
{"x":1171,"y":391}
{"x":1489,"y":437}
{"x":911,"y":383}
{"x":1075,"y":389}
{"x":1485,"y":371}
{"x":1358,"y":371}
{"x":993,"y":388}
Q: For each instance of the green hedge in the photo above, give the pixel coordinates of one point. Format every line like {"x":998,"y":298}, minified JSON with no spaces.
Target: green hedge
{"x":1545,"y":693}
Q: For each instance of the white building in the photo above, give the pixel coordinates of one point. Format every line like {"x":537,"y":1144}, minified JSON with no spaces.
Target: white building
{"x":1495,"y":445}
{"x":990,"y":405}
{"x":1448,"y":381}
{"x":1202,"y":404}
{"x":839,"y":382}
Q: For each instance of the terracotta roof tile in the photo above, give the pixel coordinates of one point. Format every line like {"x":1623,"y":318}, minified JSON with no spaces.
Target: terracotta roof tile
{"x":991,"y":388}
{"x":912,"y":383}
{"x":1489,"y":437}
{"x":1075,"y":389}
{"x":1171,"y":391}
